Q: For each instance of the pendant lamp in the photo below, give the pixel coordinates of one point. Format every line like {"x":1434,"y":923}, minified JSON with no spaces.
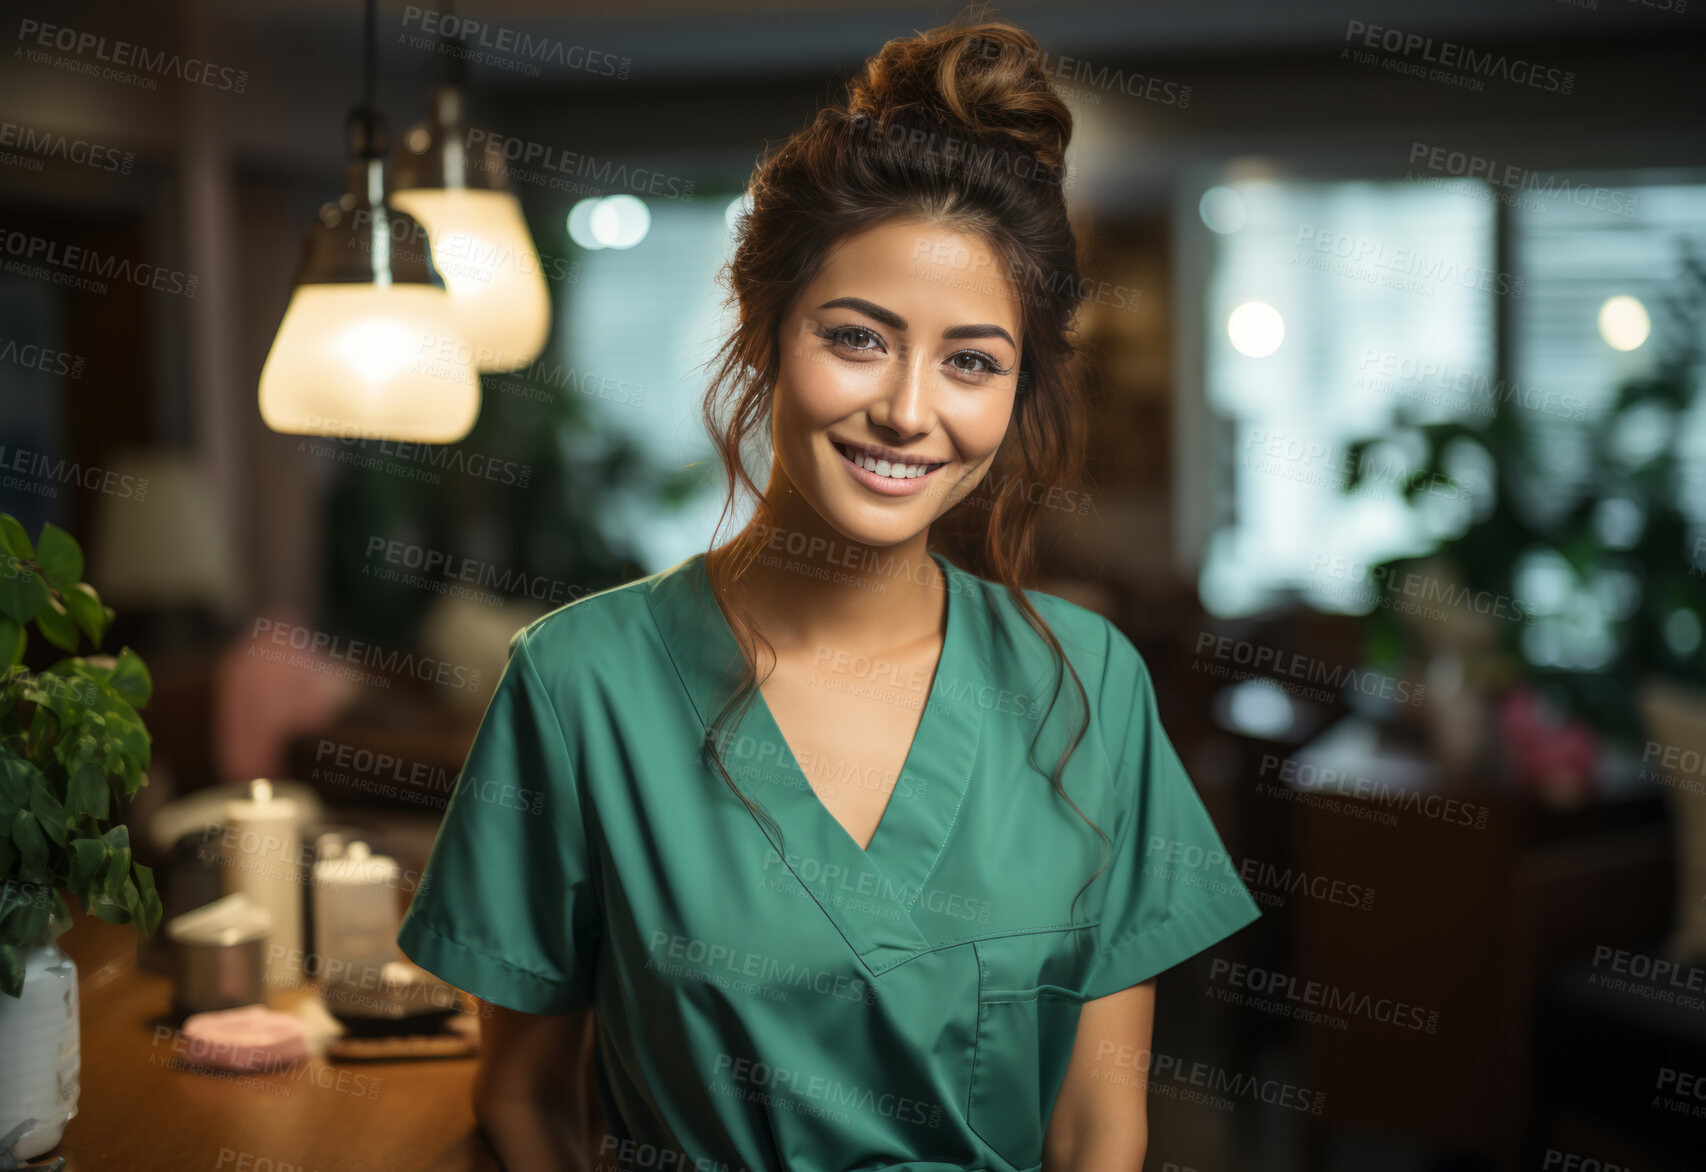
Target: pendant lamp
{"x":479,"y":235}
{"x":370,"y":346}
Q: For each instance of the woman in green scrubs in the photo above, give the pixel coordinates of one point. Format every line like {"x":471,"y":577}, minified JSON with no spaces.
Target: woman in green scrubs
{"x":857,"y":859}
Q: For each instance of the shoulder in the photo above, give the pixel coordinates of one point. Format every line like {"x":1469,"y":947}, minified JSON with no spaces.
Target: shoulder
{"x":607,"y":627}
{"x":1099,"y":651}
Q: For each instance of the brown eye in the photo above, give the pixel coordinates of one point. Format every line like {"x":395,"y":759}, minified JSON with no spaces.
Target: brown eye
{"x":975,"y":362}
{"x":855,"y":338}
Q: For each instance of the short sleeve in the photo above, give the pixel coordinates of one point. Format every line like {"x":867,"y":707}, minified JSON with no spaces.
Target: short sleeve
{"x":506,"y":908}
{"x":1172,"y":890}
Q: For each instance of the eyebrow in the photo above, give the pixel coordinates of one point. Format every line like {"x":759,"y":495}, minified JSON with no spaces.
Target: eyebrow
{"x":894,"y":321}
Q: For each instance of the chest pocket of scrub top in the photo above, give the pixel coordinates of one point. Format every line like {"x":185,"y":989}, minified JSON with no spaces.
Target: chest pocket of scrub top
{"x":1025,"y":1031}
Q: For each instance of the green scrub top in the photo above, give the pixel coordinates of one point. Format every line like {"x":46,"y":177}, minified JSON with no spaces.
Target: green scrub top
{"x":790,"y":1001}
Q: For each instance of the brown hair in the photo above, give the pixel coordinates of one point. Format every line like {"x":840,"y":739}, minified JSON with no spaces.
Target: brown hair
{"x":957,"y":126}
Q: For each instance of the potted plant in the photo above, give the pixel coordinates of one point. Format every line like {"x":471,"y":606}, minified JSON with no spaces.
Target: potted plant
{"x":71,"y":743}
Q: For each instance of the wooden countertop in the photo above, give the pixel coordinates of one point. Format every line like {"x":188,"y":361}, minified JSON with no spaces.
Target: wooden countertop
{"x":141,"y":1108}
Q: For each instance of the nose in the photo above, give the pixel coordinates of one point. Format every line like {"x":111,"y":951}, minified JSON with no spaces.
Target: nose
{"x":904,"y":406}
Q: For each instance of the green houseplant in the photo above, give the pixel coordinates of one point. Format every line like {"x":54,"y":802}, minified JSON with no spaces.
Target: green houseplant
{"x":71,"y":741}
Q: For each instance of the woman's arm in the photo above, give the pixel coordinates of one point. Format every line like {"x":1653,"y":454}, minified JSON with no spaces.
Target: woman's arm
{"x":532,"y":1097}
{"x":1100,"y":1121}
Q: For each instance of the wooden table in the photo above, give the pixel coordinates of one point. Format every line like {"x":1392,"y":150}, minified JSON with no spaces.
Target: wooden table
{"x":142,"y":1108}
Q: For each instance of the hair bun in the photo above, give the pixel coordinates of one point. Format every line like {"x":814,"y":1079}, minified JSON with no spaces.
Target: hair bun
{"x":984,"y":79}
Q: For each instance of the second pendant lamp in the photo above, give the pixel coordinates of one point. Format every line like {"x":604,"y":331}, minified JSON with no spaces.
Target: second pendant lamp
{"x":479,"y":236}
{"x":371,"y":343}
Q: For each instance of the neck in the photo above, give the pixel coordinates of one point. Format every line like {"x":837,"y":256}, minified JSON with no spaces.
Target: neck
{"x":810,"y":588}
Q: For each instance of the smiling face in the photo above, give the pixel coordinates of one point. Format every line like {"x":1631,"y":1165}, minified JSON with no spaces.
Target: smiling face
{"x":898,"y":368}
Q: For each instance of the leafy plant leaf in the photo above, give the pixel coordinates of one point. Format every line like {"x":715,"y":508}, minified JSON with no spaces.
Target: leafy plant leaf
{"x":112,"y":913}
{"x":151,"y":906}
{"x":13,"y":539}
{"x":27,"y":921}
{"x":87,"y":855}
{"x":47,"y":810}
{"x":16,"y":774}
{"x":12,"y":641}
{"x":131,"y":680}
{"x":32,"y":847}
{"x":56,"y":625}
{"x":87,"y":611}
{"x":22,"y":592}
{"x":60,"y":557}
{"x":87,"y":794}
{"x":11,"y":967}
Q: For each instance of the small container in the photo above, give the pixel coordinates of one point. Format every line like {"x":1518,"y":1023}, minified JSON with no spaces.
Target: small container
{"x":355,"y":917}
{"x":219,"y":955}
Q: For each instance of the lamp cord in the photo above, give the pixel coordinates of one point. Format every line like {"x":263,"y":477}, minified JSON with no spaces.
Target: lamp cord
{"x":370,"y":57}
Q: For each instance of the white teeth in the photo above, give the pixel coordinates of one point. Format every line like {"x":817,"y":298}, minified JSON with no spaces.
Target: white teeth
{"x":890,"y":469}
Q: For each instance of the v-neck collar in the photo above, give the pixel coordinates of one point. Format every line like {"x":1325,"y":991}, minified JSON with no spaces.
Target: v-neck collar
{"x":868,"y":894}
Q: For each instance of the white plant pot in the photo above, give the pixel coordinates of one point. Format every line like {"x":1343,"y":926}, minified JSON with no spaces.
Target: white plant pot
{"x":40,"y":1055}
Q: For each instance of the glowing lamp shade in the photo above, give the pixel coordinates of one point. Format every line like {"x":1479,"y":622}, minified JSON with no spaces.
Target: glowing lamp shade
{"x":371,"y":361}
{"x":481,"y":246}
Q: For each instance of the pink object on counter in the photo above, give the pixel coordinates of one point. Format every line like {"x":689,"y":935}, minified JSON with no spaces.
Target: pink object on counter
{"x":251,"y":1038}
{"x":270,"y":689}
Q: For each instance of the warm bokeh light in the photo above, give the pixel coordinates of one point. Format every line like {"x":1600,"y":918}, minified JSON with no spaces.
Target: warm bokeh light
{"x":378,"y":362}
{"x":1623,"y":323}
{"x":482,"y":248}
{"x":1256,"y":329}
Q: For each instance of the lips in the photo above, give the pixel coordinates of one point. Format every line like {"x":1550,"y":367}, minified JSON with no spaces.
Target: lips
{"x":886,"y":465}
{"x":886,"y":485}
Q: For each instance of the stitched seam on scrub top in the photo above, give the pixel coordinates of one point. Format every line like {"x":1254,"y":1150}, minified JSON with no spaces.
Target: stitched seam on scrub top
{"x":1172,"y":921}
{"x":466,"y":947}
{"x":568,"y":760}
{"x":947,"y":836}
